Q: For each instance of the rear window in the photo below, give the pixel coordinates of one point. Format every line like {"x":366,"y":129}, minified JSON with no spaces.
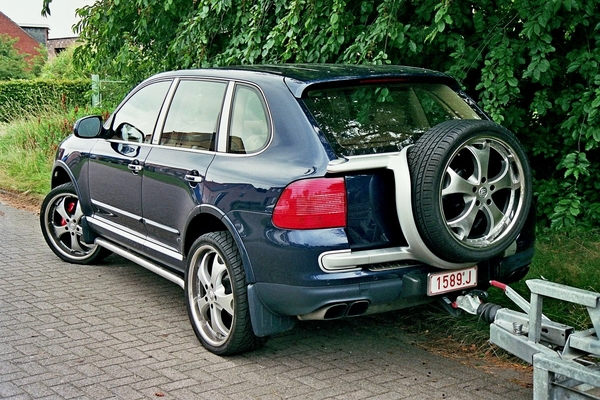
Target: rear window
{"x":379,"y":118}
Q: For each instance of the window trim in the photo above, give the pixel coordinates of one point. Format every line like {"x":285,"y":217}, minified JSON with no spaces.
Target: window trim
{"x":169,"y":100}
{"x":223,"y":131}
{"x":224,"y":119}
{"x":109,"y":123}
{"x":222,"y":149}
{"x":162,"y":116}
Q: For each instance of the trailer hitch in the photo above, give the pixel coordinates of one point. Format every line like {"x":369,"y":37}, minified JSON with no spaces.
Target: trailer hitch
{"x":565,"y":361}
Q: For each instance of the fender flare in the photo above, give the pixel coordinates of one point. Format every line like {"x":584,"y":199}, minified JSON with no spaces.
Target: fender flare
{"x":84,"y":196}
{"x":230,"y":226}
{"x":264,"y":322}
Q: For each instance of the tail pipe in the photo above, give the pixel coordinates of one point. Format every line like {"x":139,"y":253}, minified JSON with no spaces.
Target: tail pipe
{"x":337,"y":310}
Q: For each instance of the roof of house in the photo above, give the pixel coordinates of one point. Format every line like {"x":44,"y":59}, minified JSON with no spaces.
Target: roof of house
{"x":26,"y":43}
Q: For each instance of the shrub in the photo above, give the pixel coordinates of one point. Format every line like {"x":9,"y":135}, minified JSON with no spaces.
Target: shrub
{"x":22,"y":97}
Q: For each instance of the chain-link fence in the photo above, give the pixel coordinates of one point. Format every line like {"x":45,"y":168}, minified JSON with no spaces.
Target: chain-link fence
{"x":106,"y":92}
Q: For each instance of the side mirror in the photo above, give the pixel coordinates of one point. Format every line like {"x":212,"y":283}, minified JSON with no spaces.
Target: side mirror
{"x":88,"y":127}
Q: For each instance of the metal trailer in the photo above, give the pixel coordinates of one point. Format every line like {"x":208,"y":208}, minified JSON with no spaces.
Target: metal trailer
{"x":565,"y":361}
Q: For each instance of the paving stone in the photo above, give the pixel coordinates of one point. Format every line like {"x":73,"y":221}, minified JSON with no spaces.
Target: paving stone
{"x":117,"y":331}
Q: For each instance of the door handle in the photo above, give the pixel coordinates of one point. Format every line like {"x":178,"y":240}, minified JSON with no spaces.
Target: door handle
{"x":193,"y":177}
{"x":135,"y":166}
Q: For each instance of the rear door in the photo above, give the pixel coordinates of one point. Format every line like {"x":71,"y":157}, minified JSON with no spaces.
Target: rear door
{"x":116,"y":166}
{"x":175,"y":169}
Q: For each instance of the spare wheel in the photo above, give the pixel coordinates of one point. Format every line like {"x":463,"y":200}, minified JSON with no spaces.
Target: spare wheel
{"x":471,"y":189}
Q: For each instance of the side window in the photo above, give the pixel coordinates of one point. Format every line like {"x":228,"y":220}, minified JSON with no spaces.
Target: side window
{"x":193,"y":117}
{"x":136,"y":119}
{"x":249,"y":129}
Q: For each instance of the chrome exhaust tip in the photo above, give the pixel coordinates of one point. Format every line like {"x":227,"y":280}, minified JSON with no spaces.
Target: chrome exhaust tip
{"x":358,"y":308}
{"x":332,"y":311}
{"x":337,"y":311}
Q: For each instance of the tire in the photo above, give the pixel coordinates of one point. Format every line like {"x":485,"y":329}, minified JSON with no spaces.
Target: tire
{"x":216,"y":298}
{"x":60,"y":220}
{"x":471,"y":189}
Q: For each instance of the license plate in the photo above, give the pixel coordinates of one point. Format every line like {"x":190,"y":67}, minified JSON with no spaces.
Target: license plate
{"x":444,"y":282}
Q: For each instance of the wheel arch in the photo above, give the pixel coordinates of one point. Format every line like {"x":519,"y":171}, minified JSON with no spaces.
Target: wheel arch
{"x":208,"y":219}
{"x":69,"y":223}
{"x":61,"y":175}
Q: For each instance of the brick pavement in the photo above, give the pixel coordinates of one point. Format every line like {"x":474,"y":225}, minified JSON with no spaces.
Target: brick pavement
{"x":116,"y":331}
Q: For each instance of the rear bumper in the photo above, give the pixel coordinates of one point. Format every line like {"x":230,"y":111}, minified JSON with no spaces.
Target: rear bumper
{"x":275,"y":307}
{"x":298,"y":300}
{"x":515,"y":267}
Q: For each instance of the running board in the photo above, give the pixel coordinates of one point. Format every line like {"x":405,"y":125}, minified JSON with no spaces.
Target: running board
{"x":161,"y":271}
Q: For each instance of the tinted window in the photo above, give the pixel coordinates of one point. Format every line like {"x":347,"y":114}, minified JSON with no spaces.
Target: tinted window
{"x":136,"y":119}
{"x":375,"y":119}
{"x":249,"y":129}
{"x":193,"y":117}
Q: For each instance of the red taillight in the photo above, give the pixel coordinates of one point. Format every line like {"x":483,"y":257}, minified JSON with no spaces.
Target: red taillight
{"x":312,"y":204}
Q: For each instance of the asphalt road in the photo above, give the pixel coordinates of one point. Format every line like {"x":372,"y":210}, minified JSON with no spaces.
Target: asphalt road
{"x":117,"y":331}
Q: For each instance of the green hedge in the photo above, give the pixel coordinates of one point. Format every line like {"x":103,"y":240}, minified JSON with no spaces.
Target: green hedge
{"x":23,"y":97}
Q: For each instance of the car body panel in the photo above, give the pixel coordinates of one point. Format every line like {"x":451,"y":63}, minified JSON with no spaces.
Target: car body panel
{"x":115,"y":190}
{"x":168,"y":198}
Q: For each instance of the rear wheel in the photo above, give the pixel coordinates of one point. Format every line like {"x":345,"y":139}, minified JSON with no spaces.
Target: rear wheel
{"x":60,"y":220}
{"x":216,"y":298}
{"x":472,"y":189}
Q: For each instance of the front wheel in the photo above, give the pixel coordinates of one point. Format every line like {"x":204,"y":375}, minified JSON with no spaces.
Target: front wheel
{"x":60,"y":220}
{"x":216,"y":298}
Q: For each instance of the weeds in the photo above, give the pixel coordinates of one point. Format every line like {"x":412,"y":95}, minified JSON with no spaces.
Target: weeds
{"x":570,"y":258}
{"x":28,"y":146}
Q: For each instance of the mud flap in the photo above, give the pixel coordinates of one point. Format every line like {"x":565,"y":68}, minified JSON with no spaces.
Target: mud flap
{"x":88,"y":235}
{"x":264,"y":322}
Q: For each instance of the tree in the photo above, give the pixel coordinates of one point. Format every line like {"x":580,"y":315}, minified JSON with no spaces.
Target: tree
{"x":62,"y":67}
{"x":12,"y":63}
{"x":532,"y":64}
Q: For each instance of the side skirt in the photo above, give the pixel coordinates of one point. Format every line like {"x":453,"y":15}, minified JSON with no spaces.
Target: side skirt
{"x":157,"y":269}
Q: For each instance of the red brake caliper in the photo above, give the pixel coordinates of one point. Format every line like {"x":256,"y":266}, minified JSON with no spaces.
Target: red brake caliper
{"x":70,"y":208}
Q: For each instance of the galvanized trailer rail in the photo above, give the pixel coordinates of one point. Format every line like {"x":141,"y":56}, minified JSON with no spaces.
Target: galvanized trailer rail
{"x":565,"y":362}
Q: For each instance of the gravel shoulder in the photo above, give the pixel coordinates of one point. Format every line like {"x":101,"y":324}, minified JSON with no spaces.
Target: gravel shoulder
{"x":21,"y":201}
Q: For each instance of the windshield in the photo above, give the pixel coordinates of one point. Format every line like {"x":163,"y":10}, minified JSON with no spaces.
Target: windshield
{"x":379,"y":118}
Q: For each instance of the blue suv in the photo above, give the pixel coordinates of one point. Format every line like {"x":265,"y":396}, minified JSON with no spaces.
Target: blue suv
{"x":279,"y":193}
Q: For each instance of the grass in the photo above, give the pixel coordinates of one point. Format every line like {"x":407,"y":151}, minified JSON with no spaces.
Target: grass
{"x":28,"y":145}
{"x":571,"y":259}
{"x":26,"y":150}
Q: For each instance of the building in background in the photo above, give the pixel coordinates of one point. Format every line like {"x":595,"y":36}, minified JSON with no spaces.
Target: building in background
{"x":30,"y":38}
{"x":60,"y":35}
{"x":57,"y":45}
{"x":38,"y":32}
